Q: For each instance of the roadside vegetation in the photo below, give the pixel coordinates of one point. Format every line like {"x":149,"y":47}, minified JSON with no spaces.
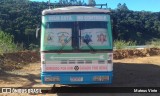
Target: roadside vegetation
{"x":121,"y":44}
{"x":130,"y":28}
{"x":153,"y":43}
{"x":7,"y":44}
{"x":22,"y":20}
{"x":34,"y":47}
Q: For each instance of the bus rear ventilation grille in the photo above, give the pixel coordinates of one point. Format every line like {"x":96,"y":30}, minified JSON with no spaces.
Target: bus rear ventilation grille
{"x":80,"y":61}
{"x":72,"y":61}
{"x":88,"y":62}
{"x":101,"y":62}
{"x":63,"y":61}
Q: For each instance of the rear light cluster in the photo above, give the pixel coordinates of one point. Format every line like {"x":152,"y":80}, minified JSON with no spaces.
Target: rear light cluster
{"x":101,"y":78}
{"x":52,"y":79}
{"x":109,"y":61}
{"x":43,"y":58}
{"x":110,"y":58}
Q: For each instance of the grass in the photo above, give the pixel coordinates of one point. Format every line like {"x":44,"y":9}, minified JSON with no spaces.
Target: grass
{"x":121,"y":44}
{"x":154,"y":43}
{"x":7,"y":44}
{"x":34,"y":47}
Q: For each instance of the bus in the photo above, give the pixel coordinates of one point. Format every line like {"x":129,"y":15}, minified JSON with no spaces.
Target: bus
{"x":76,"y":46}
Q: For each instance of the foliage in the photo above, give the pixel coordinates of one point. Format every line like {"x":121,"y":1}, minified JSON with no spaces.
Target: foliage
{"x":21,"y":17}
{"x":72,"y":2}
{"x":92,"y":2}
{"x":140,"y":26}
{"x":154,"y":43}
{"x":6,"y":43}
{"x":34,"y":47}
{"x":121,"y":44}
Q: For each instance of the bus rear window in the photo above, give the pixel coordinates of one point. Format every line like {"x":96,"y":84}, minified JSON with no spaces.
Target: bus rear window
{"x":93,"y":34}
{"x":76,"y":35}
{"x":58,"y":35}
{"x":59,"y":25}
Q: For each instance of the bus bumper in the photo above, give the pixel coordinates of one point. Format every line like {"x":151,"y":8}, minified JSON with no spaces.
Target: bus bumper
{"x":76,"y":77}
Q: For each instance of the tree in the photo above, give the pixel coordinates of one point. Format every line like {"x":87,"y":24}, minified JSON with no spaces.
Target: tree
{"x":22,"y":20}
{"x":6,"y":42}
{"x":91,"y":2}
{"x":122,"y":7}
{"x":63,"y":2}
{"x":71,"y":2}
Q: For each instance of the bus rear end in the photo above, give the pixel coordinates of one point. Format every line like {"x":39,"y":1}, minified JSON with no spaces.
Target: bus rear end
{"x":76,"y":48}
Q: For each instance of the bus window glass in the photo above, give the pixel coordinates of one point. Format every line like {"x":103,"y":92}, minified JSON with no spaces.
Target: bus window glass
{"x":58,"y":35}
{"x":93,"y":34}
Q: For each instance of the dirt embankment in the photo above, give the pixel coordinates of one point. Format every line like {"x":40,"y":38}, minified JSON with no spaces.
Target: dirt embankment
{"x":10,"y":61}
{"x":129,"y":53}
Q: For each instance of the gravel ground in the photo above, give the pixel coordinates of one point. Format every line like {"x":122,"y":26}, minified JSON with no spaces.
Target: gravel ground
{"x":134,"y":72}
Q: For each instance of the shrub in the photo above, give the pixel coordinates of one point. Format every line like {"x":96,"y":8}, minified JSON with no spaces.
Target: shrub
{"x":154,"y":43}
{"x":7,"y":44}
{"x":33,"y":47}
{"x":121,"y":44}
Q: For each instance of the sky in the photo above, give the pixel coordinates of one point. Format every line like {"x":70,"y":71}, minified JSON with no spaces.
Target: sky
{"x":136,"y":5}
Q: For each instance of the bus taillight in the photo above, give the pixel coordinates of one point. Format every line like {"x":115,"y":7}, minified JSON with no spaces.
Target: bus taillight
{"x":101,"y":78}
{"x":52,"y":79}
{"x":110,"y":56}
{"x":42,"y":58}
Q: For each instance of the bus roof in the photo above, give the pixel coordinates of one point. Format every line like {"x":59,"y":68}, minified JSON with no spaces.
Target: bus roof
{"x":74,"y":9}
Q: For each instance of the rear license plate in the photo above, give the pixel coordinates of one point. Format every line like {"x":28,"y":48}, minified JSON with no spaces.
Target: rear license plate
{"x":76,"y":79}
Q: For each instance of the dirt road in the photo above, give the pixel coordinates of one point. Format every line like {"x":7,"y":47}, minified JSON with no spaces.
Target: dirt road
{"x":135,"y":72}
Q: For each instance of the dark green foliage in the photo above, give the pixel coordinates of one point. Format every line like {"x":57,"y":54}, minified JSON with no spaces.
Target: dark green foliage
{"x":20,"y":18}
{"x":139,"y":26}
{"x":92,"y":2}
{"x":6,"y":43}
{"x":71,"y":2}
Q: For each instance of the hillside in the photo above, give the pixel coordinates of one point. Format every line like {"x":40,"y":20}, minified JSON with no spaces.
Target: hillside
{"x":21,"y":17}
